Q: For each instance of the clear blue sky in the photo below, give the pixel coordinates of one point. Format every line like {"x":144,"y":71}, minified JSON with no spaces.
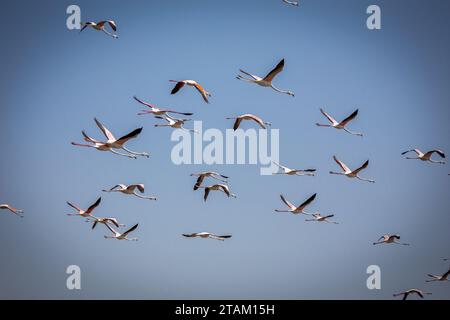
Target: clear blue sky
{"x":55,"y":81}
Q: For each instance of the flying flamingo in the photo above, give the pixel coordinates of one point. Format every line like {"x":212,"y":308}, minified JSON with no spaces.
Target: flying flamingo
{"x":112,"y":142}
{"x":100,"y":26}
{"x":202,"y":175}
{"x":443,"y":277}
{"x":293,"y":3}
{"x":180,"y":84}
{"x":267,"y":80}
{"x":349,"y":173}
{"x":390,"y":238}
{"x":84,"y":213}
{"x":131,"y":189}
{"x":206,"y":235}
{"x":251,"y":117}
{"x":340,"y":125}
{"x":121,"y":236}
{"x":174,"y":123}
{"x":406,"y":293}
{"x":319,"y":218}
{"x":105,"y":221}
{"x":156,"y":111}
{"x":12,"y":209}
{"x":294,"y":172}
{"x":297,"y":210}
{"x":217,"y":187}
{"x":426,"y":156}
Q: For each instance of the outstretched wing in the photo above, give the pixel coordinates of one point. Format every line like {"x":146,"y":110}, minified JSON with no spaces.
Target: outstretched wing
{"x":349,"y":118}
{"x":74,"y":206}
{"x":330,"y":118}
{"x":177,"y":87}
{"x":202,"y":92}
{"x":199,"y":181}
{"x":129,"y":136}
{"x":307,"y":202}
{"x":105,"y":131}
{"x":342,"y":165}
{"x":206,"y":194}
{"x":258,"y":120}
{"x":362,"y":167}
{"x":269,"y":77}
{"x":144,"y":103}
{"x":190,"y":235}
{"x":237,"y":123}
{"x":92,"y":207}
{"x":286,"y":202}
{"x":131,"y":229}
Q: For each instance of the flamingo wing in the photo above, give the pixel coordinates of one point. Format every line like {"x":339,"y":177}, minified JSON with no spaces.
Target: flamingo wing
{"x":286,"y":202}
{"x":202,"y":92}
{"x":330,"y":118}
{"x":129,"y":136}
{"x":93,"y":206}
{"x":269,"y":77}
{"x":342,"y":165}
{"x":105,"y":131}
{"x":178,"y":86}
{"x":349,"y":118}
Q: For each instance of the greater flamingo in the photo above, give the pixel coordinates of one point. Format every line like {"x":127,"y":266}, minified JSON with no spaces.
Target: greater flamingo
{"x":84,"y":213}
{"x":202,"y":175}
{"x":406,"y":293}
{"x":390,"y":238}
{"x":100,"y":26}
{"x":12,"y":209}
{"x":112,"y":142}
{"x":206,"y":235}
{"x":340,"y":125}
{"x":121,"y":236}
{"x":250,"y":117}
{"x":131,"y":190}
{"x":217,"y":187}
{"x":297,"y":210}
{"x":192,"y":83}
{"x":426,"y":156}
{"x":294,"y":172}
{"x":349,"y":173}
{"x":157,"y":111}
{"x":267,"y":80}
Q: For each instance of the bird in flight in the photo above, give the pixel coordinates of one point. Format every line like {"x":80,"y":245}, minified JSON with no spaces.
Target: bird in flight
{"x":390,"y":238}
{"x":105,"y":221}
{"x":202,"y":175}
{"x":84,"y":213}
{"x":156,"y":111}
{"x":131,"y":189}
{"x":174,"y":123}
{"x":340,"y":125}
{"x":297,"y":210}
{"x":294,"y":172}
{"x":267,"y":80}
{"x":426,"y":156}
{"x":443,"y":277}
{"x":250,"y":117}
{"x":12,"y":209}
{"x":112,"y":142}
{"x":319,"y":218}
{"x":101,"y":26}
{"x":180,"y":84}
{"x":206,"y":235}
{"x":406,"y":293}
{"x":292,"y":3}
{"x":349,"y":173}
{"x":217,"y":187}
{"x":121,"y":236}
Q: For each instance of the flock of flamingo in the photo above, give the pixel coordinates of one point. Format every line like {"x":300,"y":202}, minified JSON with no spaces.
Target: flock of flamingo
{"x":112,"y":144}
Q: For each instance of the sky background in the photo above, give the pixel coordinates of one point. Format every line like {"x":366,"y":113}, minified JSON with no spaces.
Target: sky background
{"x":54,"y":82}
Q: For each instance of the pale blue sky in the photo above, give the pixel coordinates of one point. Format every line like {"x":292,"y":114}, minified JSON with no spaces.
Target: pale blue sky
{"x":55,"y":81}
